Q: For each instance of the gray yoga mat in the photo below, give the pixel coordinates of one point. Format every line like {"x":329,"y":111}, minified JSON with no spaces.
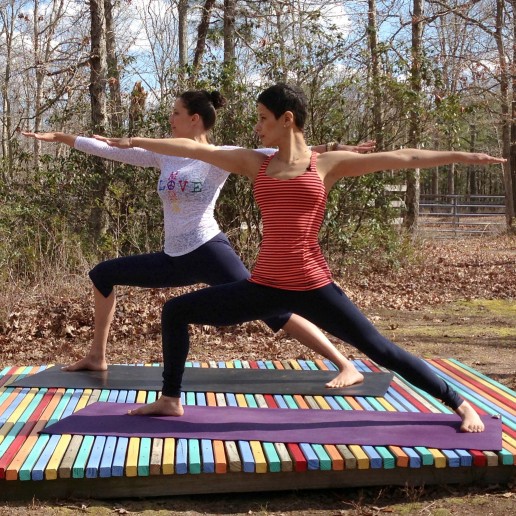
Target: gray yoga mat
{"x":197,"y":379}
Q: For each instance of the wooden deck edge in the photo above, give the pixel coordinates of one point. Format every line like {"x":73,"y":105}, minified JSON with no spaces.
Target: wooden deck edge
{"x":188,"y":484}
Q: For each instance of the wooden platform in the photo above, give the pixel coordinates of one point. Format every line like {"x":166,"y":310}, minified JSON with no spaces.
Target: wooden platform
{"x":61,"y":466}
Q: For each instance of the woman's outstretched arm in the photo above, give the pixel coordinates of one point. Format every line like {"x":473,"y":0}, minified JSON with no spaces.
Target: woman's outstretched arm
{"x":336,"y":165}
{"x":55,"y":137}
{"x":237,"y":161}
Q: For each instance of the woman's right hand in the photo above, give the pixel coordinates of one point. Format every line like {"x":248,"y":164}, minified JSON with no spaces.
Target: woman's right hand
{"x":44,"y":137}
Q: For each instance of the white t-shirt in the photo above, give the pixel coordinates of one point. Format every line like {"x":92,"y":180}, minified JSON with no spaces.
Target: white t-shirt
{"x":188,"y":189}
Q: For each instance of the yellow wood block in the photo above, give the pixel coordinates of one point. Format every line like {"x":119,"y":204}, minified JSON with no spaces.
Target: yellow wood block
{"x":131,"y":462}
{"x":56,"y":457}
{"x":362,"y":458}
{"x":439,"y":458}
{"x":259,"y":457}
{"x":169,"y":456}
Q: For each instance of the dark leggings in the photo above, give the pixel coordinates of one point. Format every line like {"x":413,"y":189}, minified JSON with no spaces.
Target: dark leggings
{"x":327,"y":307}
{"x":214,"y":263}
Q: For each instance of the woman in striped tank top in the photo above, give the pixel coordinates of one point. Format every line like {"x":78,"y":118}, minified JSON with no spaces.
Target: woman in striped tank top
{"x":291,"y":274}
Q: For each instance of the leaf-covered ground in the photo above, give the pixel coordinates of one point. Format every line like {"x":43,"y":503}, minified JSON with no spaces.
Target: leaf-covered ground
{"x":52,"y":323}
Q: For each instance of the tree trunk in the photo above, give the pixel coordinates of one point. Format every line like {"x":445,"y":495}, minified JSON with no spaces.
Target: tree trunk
{"x":182,"y":31}
{"x":202,"y":32}
{"x":229,"y":32}
{"x":507,"y":148}
{"x":115,"y":97}
{"x":98,"y":82}
{"x":413,"y":184}
{"x":377,"y":109}
{"x":510,"y":168}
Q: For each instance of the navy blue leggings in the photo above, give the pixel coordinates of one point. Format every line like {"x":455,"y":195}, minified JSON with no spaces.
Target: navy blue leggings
{"x":214,"y":263}
{"x":327,"y":307}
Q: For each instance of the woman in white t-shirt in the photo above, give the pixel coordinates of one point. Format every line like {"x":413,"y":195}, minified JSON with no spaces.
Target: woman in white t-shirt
{"x":195,"y":250}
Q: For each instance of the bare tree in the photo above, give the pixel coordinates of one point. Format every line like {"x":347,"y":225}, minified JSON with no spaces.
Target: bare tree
{"x":414,"y":140}
{"x":99,"y":118}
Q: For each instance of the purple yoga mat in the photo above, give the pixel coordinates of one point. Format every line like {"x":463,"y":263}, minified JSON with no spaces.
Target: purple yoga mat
{"x":285,"y":425}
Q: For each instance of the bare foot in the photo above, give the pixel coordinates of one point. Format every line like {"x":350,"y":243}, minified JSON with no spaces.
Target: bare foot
{"x":87,"y":363}
{"x":471,"y":421}
{"x":348,"y":376}
{"x":163,"y":406}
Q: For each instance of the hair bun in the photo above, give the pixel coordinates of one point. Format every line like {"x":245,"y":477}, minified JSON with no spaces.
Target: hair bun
{"x":217,"y":99}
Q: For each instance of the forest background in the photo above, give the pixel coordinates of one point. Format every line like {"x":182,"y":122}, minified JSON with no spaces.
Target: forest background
{"x":407,"y":73}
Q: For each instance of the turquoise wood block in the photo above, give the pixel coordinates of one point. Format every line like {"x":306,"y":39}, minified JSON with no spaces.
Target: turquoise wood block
{"x":389,"y":461}
{"x":322,"y":455}
{"x":272,"y":457}
{"x":144,"y":457}
{"x":194,"y":457}
{"x":427,"y":459}
{"x":79,"y":465}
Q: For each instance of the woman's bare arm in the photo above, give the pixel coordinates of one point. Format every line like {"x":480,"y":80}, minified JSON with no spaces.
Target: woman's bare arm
{"x":336,"y":165}
{"x":237,"y":161}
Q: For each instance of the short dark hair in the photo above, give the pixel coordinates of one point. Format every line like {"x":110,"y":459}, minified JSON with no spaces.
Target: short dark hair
{"x":285,"y":97}
{"x":204,"y":104}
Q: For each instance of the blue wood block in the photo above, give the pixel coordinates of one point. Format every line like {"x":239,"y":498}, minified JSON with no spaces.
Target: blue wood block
{"x":375,"y":458}
{"x":414,"y":457}
{"x":208,"y":458}
{"x":122,"y":396}
{"x":394,"y":402}
{"x":452,"y":459}
{"x":310,"y":455}
{"x":13,"y":405}
{"x":93,"y":464}
{"x":200,"y":399}
{"x":118,"y":467}
{"x":246,"y":456}
{"x":231,"y":399}
{"x":280,"y":401}
{"x":107,"y":457}
{"x":181,"y":456}
{"x":113,"y":396}
{"x":38,"y":470}
{"x":332,"y":402}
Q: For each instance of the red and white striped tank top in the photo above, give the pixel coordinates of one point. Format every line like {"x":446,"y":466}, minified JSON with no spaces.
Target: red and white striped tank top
{"x":290,"y":257}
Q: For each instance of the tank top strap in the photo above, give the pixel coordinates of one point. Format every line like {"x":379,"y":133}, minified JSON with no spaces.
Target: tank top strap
{"x":313,"y":161}
{"x":265,"y":164}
